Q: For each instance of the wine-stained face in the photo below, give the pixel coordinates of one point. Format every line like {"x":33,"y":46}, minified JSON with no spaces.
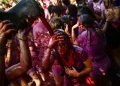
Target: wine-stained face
{"x":62,"y":48}
{"x":63,"y":44}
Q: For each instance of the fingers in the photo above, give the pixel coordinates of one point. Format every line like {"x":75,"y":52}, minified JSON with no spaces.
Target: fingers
{"x":58,"y":38}
{"x":10,"y":31}
{"x":3,"y":24}
{"x":6,"y":27}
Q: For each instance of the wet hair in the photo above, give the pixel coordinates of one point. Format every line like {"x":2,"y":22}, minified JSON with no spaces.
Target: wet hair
{"x":86,"y":19}
{"x":50,"y":8}
{"x":66,"y":37}
{"x":56,"y":23}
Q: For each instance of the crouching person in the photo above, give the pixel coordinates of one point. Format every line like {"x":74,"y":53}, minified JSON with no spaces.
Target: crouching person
{"x":69,"y":63}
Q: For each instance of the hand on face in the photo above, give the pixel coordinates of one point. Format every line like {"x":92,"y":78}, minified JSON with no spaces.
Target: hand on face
{"x":6,"y":30}
{"x":54,"y":39}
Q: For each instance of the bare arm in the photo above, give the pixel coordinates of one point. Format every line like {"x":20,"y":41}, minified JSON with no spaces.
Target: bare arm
{"x":8,"y":57}
{"x":5,"y":32}
{"x":85,"y":71}
{"x":73,"y":35}
{"x":47,"y":61}
{"x":25,"y":61}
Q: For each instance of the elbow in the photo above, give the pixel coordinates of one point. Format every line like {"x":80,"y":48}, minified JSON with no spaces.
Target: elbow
{"x":26,"y":67}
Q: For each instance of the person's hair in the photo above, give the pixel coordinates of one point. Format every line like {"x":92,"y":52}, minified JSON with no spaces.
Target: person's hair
{"x":86,"y":19}
{"x":56,"y":23}
{"x":66,"y":37}
{"x":85,"y":10}
{"x":55,"y":9}
{"x":58,"y":10}
{"x":80,"y":2}
{"x":50,"y":8}
{"x":66,"y":2}
{"x":72,"y":10}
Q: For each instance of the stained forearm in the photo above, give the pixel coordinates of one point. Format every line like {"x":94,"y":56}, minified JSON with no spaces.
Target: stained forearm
{"x":25,"y":57}
{"x":46,"y":60}
{"x":87,"y":69}
{"x":25,"y":62}
{"x":85,"y":72}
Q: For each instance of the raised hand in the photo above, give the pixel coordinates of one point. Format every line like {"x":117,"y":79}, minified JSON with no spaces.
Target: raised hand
{"x":6,"y":31}
{"x":54,"y":39}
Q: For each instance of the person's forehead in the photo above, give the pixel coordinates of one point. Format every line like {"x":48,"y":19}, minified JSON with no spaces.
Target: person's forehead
{"x":61,"y":42}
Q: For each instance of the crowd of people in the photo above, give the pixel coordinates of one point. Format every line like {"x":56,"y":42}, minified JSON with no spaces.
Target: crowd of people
{"x":75,"y":43}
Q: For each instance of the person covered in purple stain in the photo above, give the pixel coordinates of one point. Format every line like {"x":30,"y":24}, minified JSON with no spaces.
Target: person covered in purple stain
{"x":69,"y":64}
{"x":92,"y":41}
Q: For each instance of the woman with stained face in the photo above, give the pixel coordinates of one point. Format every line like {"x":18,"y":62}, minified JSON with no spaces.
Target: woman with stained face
{"x":69,"y":63}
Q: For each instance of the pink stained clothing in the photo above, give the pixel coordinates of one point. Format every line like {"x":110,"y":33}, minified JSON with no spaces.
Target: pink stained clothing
{"x":91,"y":42}
{"x":79,"y":56}
{"x":41,"y":39}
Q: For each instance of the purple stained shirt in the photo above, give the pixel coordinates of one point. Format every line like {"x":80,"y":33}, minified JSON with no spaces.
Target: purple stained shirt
{"x":41,"y":38}
{"x":95,"y":48}
{"x":79,"y":56}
